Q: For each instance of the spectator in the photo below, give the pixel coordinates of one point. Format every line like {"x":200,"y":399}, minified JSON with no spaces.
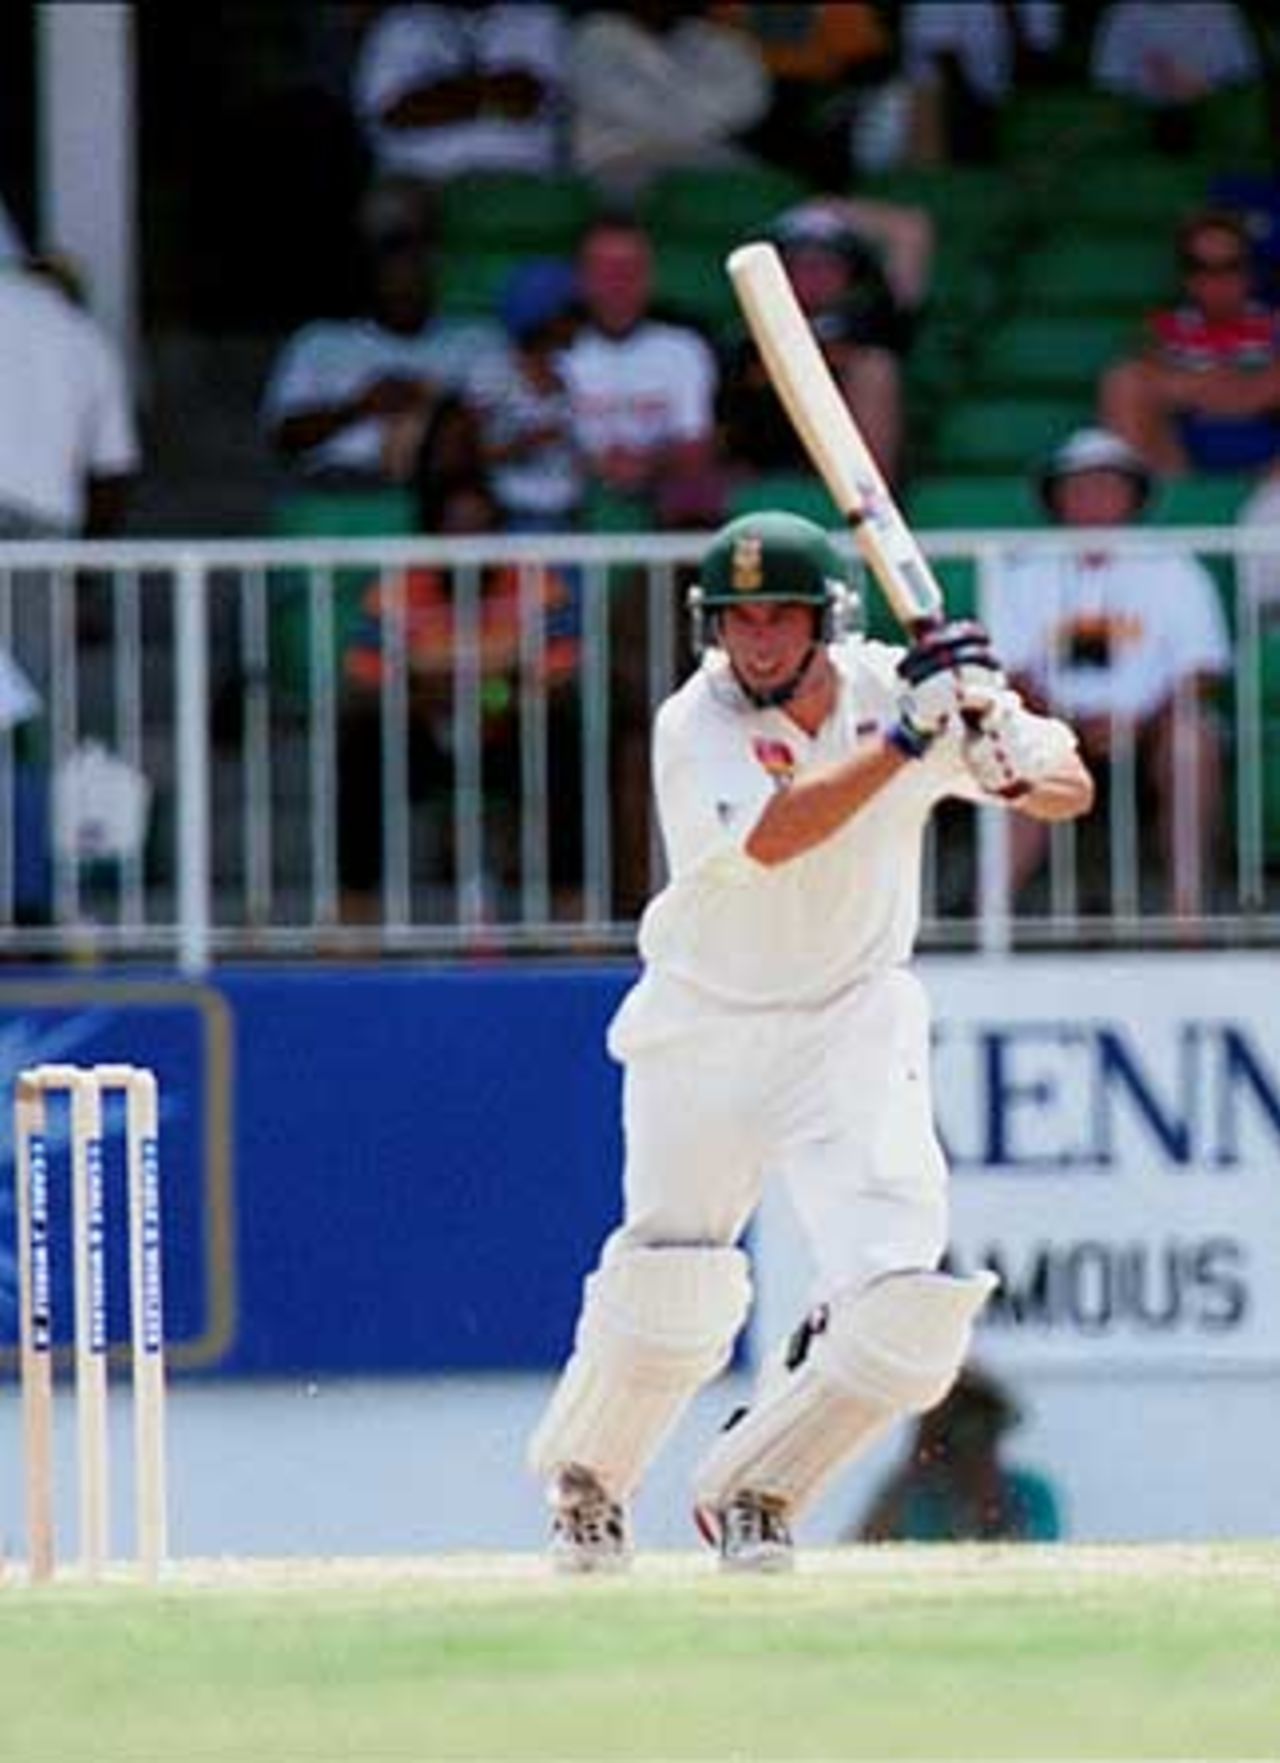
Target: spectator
{"x":68,"y":442}
{"x":373,"y":399}
{"x":963,"y":59}
{"x":465,"y":506}
{"x":826,"y":63}
{"x":654,"y":87}
{"x":955,"y":1486}
{"x":860,"y":301}
{"x":448,"y":89}
{"x":1205,"y":395}
{"x":1169,"y":58}
{"x":1128,"y":648}
{"x":643,"y":390}
{"x":522,"y":404}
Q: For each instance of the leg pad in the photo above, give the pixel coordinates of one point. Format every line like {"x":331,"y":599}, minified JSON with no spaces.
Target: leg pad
{"x":656,"y":1324}
{"x":894,"y":1347}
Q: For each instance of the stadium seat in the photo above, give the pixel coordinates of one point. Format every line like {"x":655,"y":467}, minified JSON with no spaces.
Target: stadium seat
{"x":609,"y":511}
{"x":1153,"y":193}
{"x":1096,"y":272}
{"x":1233,"y":128}
{"x":691,"y":284}
{"x":717,"y":206}
{"x":1004,"y":435}
{"x":1212,"y":499}
{"x":937,"y":503}
{"x":1078,"y":121}
{"x":344,"y":514}
{"x":1052,"y":352}
{"x":513,"y":211}
{"x":469,"y":283}
{"x":793,"y":492}
{"x":967,"y":202}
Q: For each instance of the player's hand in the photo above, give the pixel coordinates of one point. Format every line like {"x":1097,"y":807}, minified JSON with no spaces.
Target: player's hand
{"x":948,"y":674}
{"x":1010,"y":750}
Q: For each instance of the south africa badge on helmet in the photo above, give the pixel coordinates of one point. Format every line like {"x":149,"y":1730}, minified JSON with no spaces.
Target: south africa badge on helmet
{"x":746,"y":570}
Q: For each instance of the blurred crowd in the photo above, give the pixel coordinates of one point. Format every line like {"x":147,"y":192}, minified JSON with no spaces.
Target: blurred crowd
{"x":579,"y":396}
{"x":580,"y":389}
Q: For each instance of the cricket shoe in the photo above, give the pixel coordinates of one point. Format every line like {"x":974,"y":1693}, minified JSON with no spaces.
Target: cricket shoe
{"x":589,"y":1531}
{"x":751,"y":1533}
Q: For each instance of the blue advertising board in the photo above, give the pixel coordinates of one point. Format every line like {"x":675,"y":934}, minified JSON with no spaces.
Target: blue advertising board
{"x":364,"y":1170}
{"x":183,"y":1033}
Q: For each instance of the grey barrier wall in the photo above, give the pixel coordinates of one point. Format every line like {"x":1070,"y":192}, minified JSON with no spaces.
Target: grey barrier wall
{"x":228,"y":749}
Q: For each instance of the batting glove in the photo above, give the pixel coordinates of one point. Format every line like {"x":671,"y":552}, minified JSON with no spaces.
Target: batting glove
{"x":1011,"y":750}
{"x":951,"y":672}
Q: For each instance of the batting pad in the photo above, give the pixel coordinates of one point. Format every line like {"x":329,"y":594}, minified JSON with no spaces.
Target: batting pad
{"x":655,"y":1325}
{"x":892,"y":1348}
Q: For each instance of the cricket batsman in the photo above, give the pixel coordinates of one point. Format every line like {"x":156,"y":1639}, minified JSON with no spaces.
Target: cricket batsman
{"x":777,"y":1031}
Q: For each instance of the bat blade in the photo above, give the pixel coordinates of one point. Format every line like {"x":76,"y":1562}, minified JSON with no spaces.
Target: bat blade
{"x":823,"y":421}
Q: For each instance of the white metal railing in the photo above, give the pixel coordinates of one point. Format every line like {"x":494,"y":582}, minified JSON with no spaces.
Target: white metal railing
{"x":506,"y":788}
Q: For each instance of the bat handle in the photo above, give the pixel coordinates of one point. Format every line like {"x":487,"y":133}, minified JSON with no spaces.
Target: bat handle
{"x":917,"y":630}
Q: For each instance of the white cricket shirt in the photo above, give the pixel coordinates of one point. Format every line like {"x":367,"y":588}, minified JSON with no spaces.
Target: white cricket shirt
{"x":801,"y":932}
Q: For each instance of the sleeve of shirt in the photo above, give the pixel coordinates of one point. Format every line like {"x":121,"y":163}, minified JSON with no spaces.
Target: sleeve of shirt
{"x":711,"y":792}
{"x":112,"y":448}
{"x":297,"y":381}
{"x":528,"y":36}
{"x":1196,"y":627}
{"x":693,"y":386}
{"x":407,"y":47}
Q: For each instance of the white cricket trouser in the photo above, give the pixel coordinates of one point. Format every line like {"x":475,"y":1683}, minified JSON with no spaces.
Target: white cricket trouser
{"x":834,"y":1100}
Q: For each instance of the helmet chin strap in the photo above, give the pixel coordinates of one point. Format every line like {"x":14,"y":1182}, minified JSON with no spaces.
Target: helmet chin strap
{"x":777,"y":696}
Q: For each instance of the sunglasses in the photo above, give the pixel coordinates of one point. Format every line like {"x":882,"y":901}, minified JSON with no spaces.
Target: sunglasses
{"x":1194,"y":265}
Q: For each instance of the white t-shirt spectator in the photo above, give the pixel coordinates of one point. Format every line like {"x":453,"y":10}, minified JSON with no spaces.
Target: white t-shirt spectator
{"x":643,"y":100}
{"x":547,"y":482}
{"x":412,"y":46}
{"x":65,"y":414}
{"x":333,"y":360}
{"x":1147,"y":48}
{"x":977,"y":33}
{"x":1112,"y":636}
{"x":654,"y":387}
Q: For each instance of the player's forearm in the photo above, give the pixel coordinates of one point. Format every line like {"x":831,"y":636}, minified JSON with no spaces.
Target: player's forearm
{"x":1065,"y":794}
{"x":811,"y":809}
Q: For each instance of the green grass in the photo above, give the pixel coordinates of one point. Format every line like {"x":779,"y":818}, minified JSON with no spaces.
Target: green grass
{"x":901,"y":1653}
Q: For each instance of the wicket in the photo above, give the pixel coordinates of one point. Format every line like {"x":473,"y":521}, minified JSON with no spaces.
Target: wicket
{"x":85,"y":1088}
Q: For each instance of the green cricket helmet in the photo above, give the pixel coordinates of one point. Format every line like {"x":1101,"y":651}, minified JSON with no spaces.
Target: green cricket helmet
{"x":774,"y":557}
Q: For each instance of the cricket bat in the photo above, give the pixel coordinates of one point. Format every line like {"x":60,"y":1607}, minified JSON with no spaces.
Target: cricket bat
{"x":832,"y":439}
